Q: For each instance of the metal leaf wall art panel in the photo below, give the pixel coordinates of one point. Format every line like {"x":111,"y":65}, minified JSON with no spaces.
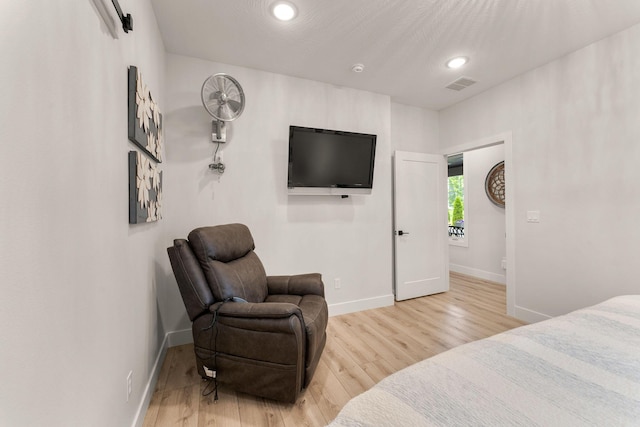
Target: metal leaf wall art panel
{"x":145,"y":189}
{"x":145,"y":119}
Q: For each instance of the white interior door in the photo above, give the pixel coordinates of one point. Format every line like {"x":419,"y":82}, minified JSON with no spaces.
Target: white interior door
{"x":420,"y":222}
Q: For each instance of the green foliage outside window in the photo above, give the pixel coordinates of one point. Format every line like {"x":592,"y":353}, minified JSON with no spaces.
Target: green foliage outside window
{"x":456,"y":189}
{"x":458,"y":210}
{"x":456,"y":199}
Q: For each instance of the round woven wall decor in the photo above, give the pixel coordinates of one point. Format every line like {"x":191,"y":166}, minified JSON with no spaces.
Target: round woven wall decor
{"x":494,"y":185}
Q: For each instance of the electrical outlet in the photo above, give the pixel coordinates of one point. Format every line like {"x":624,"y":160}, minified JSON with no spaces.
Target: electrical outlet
{"x":336,"y":283}
{"x":129,"y":384}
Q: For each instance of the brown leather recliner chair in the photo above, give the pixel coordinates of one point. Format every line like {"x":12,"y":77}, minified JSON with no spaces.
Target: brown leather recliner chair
{"x":268,"y":346}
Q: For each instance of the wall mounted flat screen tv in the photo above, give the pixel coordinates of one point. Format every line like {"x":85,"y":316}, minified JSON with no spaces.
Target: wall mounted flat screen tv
{"x":323,"y":161}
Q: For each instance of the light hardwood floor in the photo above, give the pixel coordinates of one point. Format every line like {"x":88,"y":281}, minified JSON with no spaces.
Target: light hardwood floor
{"x":362,"y":348}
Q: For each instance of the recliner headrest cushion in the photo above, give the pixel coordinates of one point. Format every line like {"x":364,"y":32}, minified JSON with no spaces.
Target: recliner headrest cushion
{"x":222,"y":243}
{"x":231,"y":267}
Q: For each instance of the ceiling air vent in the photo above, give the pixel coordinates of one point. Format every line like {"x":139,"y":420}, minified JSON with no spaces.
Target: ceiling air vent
{"x":461,"y":83}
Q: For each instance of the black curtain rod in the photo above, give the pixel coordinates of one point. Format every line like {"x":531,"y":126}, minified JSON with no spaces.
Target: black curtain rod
{"x":127,"y":21}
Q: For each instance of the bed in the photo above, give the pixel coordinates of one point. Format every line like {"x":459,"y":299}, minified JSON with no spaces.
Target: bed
{"x":582,"y":368}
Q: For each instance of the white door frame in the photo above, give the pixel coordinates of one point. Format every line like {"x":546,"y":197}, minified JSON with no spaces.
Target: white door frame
{"x":505,"y":138}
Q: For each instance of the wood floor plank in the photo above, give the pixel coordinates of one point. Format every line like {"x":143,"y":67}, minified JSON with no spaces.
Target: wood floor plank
{"x":328,"y":391}
{"x":352,"y":377}
{"x":152,"y":411}
{"x":166,"y":368}
{"x":156,"y":398}
{"x":304,"y":413}
{"x":257,"y":412}
{"x":225,"y":412}
{"x":179,"y":407}
{"x":389,"y":324}
{"x":344,"y":334}
{"x":362,"y":349}
{"x":182,"y":370}
{"x":378,"y":370}
{"x":390,"y":352}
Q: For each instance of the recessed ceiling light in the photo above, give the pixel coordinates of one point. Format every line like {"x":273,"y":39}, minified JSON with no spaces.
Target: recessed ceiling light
{"x":283,"y":10}
{"x":457,"y":62}
{"x":357,"y":68}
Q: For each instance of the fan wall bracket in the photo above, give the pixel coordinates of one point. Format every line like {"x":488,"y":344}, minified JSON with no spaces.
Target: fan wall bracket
{"x":218,"y":131}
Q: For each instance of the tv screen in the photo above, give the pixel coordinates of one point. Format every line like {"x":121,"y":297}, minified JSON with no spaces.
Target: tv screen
{"x":329,"y":159}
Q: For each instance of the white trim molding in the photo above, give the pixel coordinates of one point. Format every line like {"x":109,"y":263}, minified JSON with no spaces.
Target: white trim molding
{"x":360,"y":305}
{"x":530,"y":316}
{"x":481,"y":274}
{"x":176,"y":338}
{"x":149,"y":388}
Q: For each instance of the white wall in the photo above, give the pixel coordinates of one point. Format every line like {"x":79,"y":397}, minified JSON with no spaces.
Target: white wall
{"x":414,"y":129}
{"x":575,"y":159}
{"x":348,"y":238}
{"x":78,"y":307}
{"x":485,"y":222}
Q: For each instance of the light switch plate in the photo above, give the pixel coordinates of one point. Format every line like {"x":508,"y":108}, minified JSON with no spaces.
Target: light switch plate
{"x":533,"y":216}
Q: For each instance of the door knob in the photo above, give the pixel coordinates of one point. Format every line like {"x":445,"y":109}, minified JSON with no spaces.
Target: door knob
{"x":402,"y":233}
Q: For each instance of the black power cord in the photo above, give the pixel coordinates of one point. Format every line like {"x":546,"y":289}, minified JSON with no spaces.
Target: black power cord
{"x":214,"y":338}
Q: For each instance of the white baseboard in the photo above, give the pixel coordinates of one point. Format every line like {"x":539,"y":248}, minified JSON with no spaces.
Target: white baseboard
{"x":175,"y":338}
{"x":361,"y":304}
{"x":481,"y":274}
{"x":151,"y":384}
{"x":529,"y":316}
{"x":171,"y":339}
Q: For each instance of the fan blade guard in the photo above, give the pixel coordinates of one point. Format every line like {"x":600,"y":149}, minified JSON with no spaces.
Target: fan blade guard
{"x":223,"y":97}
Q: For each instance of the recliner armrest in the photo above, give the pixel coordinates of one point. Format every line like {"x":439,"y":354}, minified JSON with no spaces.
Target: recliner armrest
{"x":263,"y":310}
{"x":300,"y":284}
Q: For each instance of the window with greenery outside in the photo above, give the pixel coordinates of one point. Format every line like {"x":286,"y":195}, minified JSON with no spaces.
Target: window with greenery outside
{"x":456,"y":200}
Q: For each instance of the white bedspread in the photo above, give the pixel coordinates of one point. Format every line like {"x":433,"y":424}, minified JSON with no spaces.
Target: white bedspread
{"x":579,"y":369}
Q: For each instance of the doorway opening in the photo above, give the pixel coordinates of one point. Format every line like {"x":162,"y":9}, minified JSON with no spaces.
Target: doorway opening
{"x":481,"y":262}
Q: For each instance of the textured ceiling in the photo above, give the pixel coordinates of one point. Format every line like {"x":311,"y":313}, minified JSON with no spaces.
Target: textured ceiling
{"x":403,"y":44}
